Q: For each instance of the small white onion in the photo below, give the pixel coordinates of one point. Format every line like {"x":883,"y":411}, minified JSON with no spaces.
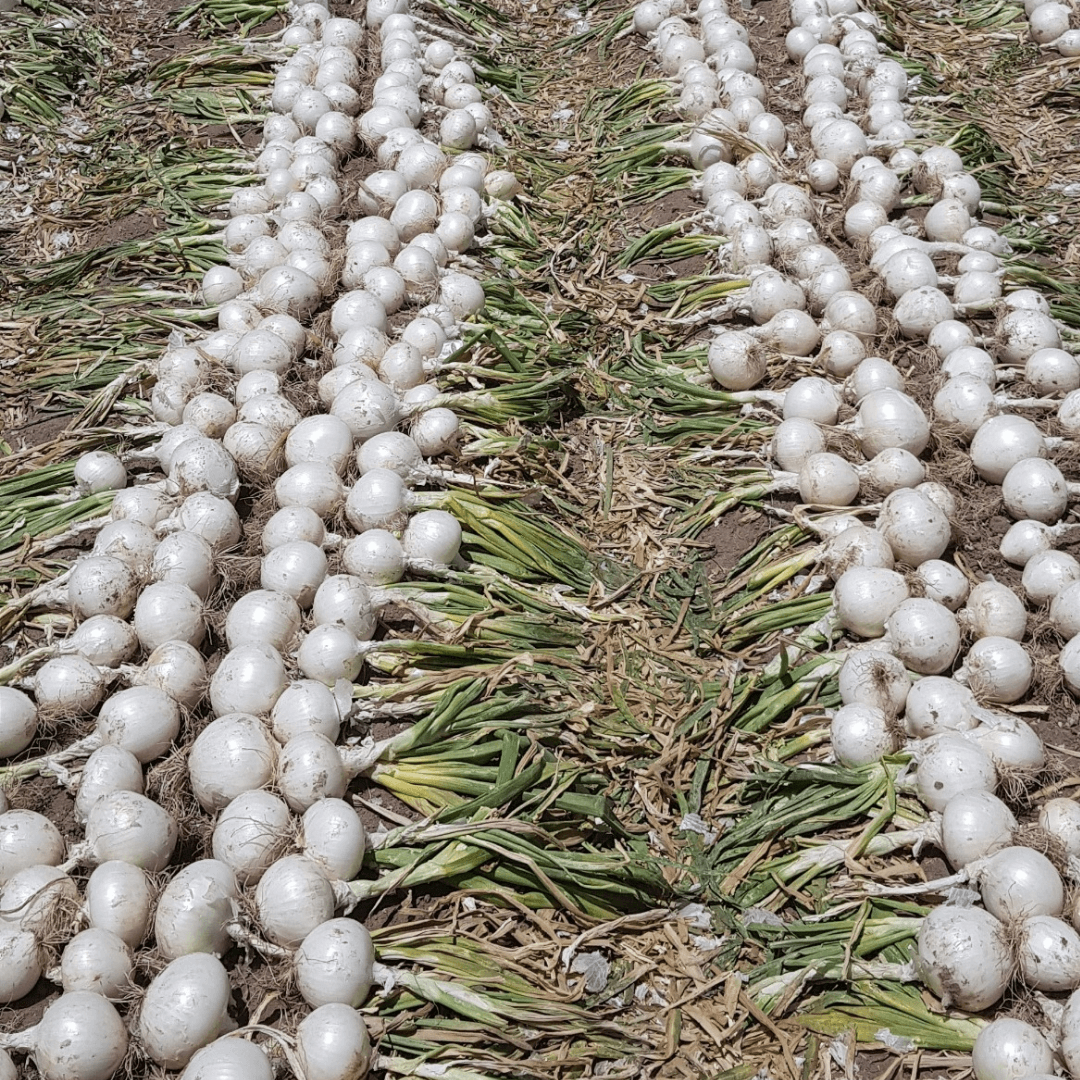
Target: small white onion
{"x":1049,"y":954}
{"x":924,"y":635}
{"x":974,"y":824}
{"x":184,"y":1008}
{"x":249,"y":680}
{"x":1035,"y":489}
{"x":292,"y":898}
{"x":950,"y":764}
{"x":994,"y":610}
{"x":118,"y":899}
{"x":250,"y":834}
{"x":998,"y":669}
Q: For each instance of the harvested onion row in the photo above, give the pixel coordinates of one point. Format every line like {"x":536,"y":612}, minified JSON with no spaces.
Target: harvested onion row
{"x":269,"y":725}
{"x":918,"y":622}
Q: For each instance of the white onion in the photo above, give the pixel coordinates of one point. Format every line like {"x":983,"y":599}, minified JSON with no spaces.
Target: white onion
{"x":80,"y":1037}
{"x":38,"y":899}
{"x":310,"y":768}
{"x":27,"y":838}
{"x":432,"y":538}
{"x":295,"y":569}
{"x":263,"y":617}
{"x":185,"y":1007}
{"x":18,"y":721}
{"x":193,"y":910}
{"x":950,"y":764}
{"x":118,"y":899}
{"x":794,"y":441}
{"x":1009,"y":743}
{"x":865,"y":597}
{"x":101,"y":585}
{"x":918,"y":311}
{"x":330,"y":652}
{"x":375,"y":557}
{"x":108,"y":768}
{"x":1047,"y":573}
{"x":994,"y":610}
{"x":144,"y":720}
{"x":936,"y":704}
{"x":231,"y":755}
{"x":68,"y":685}
{"x":333,"y":837}
{"x":249,"y":680}
{"x":1008,"y":1049}
{"x":167,"y":611}
{"x":874,"y":677}
{"x":1049,"y":954}
{"x":1017,"y":882}
{"x":890,"y":418}
{"x":306,"y":705}
{"x":924,"y":635}
{"x":314,"y":484}
{"x":292,"y":898}
{"x":915,"y":528}
{"x":250,"y":833}
{"x":860,"y":734}
{"x":974,"y":824}
{"x":126,"y":826}
{"x":1022,"y":333}
{"x":334,"y":964}
{"x":228,"y":1058}
{"x":332,"y":1043}
{"x":1034,"y":489}
{"x":963,"y":957}
{"x":1061,"y":818}
{"x":98,"y":961}
{"x":829,"y":480}
{"x":943,"y":582}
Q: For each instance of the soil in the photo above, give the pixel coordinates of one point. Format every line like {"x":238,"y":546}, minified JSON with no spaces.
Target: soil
{"x":732,"y":538}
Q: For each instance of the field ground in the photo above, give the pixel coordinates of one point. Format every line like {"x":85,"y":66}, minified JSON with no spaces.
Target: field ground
{"x":597,"y":827}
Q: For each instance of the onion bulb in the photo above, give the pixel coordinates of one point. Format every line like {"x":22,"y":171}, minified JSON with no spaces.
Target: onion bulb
{"x":185,"y":1007}
{"x":948,"y":765}
{"x":963,"y":957}
{"x":1008,"y":1049}
{"x":974,"y":824}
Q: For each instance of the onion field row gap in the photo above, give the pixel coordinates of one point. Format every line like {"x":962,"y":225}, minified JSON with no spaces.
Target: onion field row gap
{"x":606,"y":835}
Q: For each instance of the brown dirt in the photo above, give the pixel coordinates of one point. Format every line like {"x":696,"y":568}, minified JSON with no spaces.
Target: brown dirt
{"x":732,"y":538}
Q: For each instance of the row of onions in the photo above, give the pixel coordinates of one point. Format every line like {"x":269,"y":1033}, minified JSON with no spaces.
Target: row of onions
{"x":268,"y":765}
{"x":943,"y":652}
